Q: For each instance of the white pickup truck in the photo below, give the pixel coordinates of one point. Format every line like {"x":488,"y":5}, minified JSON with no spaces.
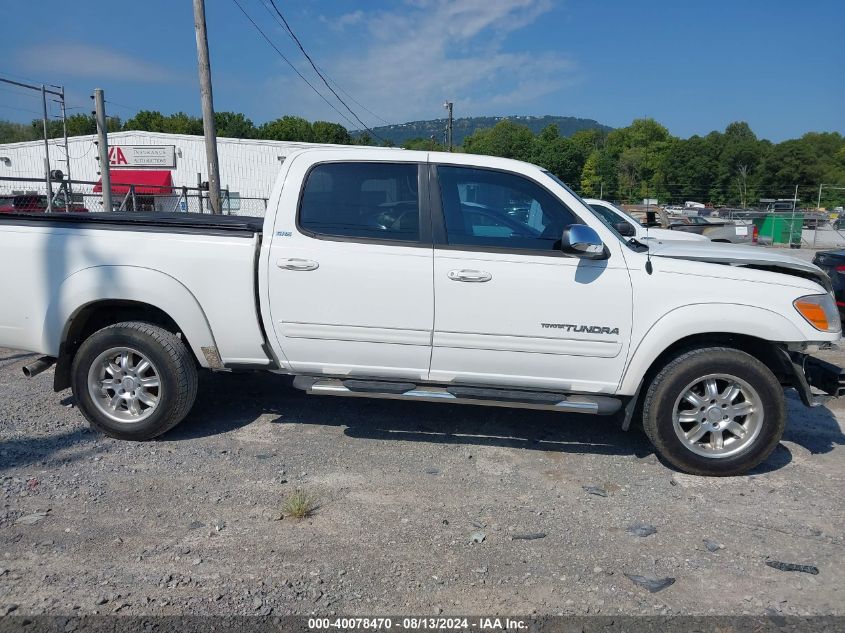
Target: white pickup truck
{"x":422,"y":276}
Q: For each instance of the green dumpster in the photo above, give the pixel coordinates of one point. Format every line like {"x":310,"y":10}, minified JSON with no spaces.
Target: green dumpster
{"x":779,"y":229}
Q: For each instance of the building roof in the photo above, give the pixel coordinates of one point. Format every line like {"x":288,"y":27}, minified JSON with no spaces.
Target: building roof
{"x":171,"y":138}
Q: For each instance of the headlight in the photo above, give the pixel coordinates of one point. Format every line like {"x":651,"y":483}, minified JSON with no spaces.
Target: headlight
{"x":820,"y":311}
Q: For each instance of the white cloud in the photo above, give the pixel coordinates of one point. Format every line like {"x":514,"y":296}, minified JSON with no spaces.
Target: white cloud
{"x":85,"y":60}
{"x":342,"y":21}
{"x":404,"y":63}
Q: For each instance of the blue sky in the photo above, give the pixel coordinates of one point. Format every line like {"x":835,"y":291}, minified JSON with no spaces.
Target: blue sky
{"x":694,"y":66}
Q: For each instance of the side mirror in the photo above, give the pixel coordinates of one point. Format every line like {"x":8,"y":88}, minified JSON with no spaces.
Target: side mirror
{"x":582,"y":241}
{"x":624,"y":229}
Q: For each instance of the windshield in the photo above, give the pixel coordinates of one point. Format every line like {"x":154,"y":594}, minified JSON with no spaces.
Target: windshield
{"x":624,"y":213}
{"x":625,"y":240}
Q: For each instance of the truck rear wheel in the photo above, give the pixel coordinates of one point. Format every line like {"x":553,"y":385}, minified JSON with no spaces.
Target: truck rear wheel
{"x":714,"y":411}
{"x":134,"y":380}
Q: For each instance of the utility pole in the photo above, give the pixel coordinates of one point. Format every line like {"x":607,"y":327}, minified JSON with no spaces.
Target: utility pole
{"x":103,"y":146}
{"x":448,"y":105}
{"x":68,"y":189}
{"x":44,"y":92}
{"x":208,"y":124}
{"x":792,"y":221}
{"x":46,"y":151}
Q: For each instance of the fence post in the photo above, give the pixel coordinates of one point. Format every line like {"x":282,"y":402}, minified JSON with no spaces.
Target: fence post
{"x":199,"y":192}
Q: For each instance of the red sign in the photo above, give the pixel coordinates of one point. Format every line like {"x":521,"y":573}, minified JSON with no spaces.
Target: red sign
{"x":151,"y":156}
{"x":117,"y":157}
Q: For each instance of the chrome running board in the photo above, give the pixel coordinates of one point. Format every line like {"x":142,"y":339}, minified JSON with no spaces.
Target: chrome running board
{"x":454,"y":394}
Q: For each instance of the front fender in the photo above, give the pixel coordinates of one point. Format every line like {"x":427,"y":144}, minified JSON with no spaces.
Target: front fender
{"x":126,"y":283}
{"x":705,"y":318}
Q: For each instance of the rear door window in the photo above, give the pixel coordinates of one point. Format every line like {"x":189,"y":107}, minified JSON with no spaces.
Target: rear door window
{"x":362,"y":200}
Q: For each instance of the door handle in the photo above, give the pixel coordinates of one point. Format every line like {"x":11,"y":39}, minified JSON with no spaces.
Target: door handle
{"x":295,"y":263}
{"x":472,"y":276}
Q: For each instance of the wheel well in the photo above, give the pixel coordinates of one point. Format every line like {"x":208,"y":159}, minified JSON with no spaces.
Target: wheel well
{"x":761,"y":349}
{"x":96,"y":316}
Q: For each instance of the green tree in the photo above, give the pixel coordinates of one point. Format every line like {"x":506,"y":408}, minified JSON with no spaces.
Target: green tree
{"x":182,"y":123}
{"x":326,"y":132}
{"x":83,"y":124}
{"x":740,"y":156}
{"x":589,"y":140}
{"x":689,"y":168}
{"x":11,"y":132}
{"x":639,"y":151}
{"x":288,"y":128}
{"x":598,"y":177}
{"x":146,"y":120}
{"x":424,"y":144}
{"x":561,"y":156}
{"x":363,"y":139}
{"x":233,"y":125}
{"x":155,"y":121}
{"x":506,"y":139}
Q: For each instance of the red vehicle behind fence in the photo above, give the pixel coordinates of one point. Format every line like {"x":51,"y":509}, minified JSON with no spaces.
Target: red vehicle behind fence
{"x":34,"y":203}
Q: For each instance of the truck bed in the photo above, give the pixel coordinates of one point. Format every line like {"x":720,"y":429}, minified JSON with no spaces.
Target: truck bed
{"x":200,"y":269}
{"x":202,"y":223}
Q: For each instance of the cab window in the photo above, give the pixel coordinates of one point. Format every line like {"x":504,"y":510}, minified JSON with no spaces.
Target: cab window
{"x":364,"y":200}
{"x":484,"y":207}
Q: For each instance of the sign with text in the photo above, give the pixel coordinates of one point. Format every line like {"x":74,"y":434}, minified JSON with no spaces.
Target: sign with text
{"x":159,"y":156}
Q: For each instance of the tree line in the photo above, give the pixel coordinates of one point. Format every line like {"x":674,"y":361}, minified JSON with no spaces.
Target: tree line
{"x":229,"y":124}
{"x":642,"y":160}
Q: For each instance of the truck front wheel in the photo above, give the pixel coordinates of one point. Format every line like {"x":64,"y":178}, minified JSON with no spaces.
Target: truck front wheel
{"x":134,"y":380}
{"x":714,"y":411}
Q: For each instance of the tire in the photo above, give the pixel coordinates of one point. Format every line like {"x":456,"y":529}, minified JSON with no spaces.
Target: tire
{"x":139,"y":402}
{"x":681,"y":401}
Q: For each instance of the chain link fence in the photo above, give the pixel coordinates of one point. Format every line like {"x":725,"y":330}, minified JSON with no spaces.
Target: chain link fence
{"x":805,"y":228}
{"x":79,"y":196}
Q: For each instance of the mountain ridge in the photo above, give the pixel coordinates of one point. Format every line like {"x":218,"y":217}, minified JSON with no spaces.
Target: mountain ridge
{"x":464,"y":126}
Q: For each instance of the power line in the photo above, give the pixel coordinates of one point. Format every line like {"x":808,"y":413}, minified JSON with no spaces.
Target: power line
{"x":317,"y":70}
{"x":125,"y":107}
{"x":16,"y":91}
{"x":339,"y":87}
{"x":289,"y":63}
{"x":29,"y":79}
{"x":20,"y":109}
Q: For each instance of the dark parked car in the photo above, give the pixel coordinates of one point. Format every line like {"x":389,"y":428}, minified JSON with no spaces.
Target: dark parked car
{"x":833,"y":263}
{"x":22,"y":203}
{"x":34,"y":203}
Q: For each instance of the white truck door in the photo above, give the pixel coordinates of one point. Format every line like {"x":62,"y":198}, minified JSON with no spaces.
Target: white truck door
{"x":511,"y":308}
{"x":350,"y":282}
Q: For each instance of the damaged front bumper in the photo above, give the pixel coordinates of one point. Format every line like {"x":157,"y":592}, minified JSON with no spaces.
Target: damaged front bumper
{"x":810,"y":373}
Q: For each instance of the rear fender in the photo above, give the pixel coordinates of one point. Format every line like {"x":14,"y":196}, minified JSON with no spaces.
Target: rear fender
{"x":127,"y":283}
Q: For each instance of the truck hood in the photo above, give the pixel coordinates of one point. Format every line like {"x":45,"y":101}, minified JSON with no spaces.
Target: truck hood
{"x":744,"y":256}
{"x":666,"y":235}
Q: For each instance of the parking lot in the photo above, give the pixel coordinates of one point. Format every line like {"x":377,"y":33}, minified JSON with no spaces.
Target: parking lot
{"x":422,"y":508}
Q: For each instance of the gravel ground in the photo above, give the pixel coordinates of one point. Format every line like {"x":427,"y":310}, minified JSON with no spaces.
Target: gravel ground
{"x":190,"y":524}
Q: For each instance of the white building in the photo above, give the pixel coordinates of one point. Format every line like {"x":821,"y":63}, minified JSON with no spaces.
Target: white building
{"x":248,"y":167}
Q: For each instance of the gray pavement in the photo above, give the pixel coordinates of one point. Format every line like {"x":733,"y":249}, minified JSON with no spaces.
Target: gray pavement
{"x":190,"y":524}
